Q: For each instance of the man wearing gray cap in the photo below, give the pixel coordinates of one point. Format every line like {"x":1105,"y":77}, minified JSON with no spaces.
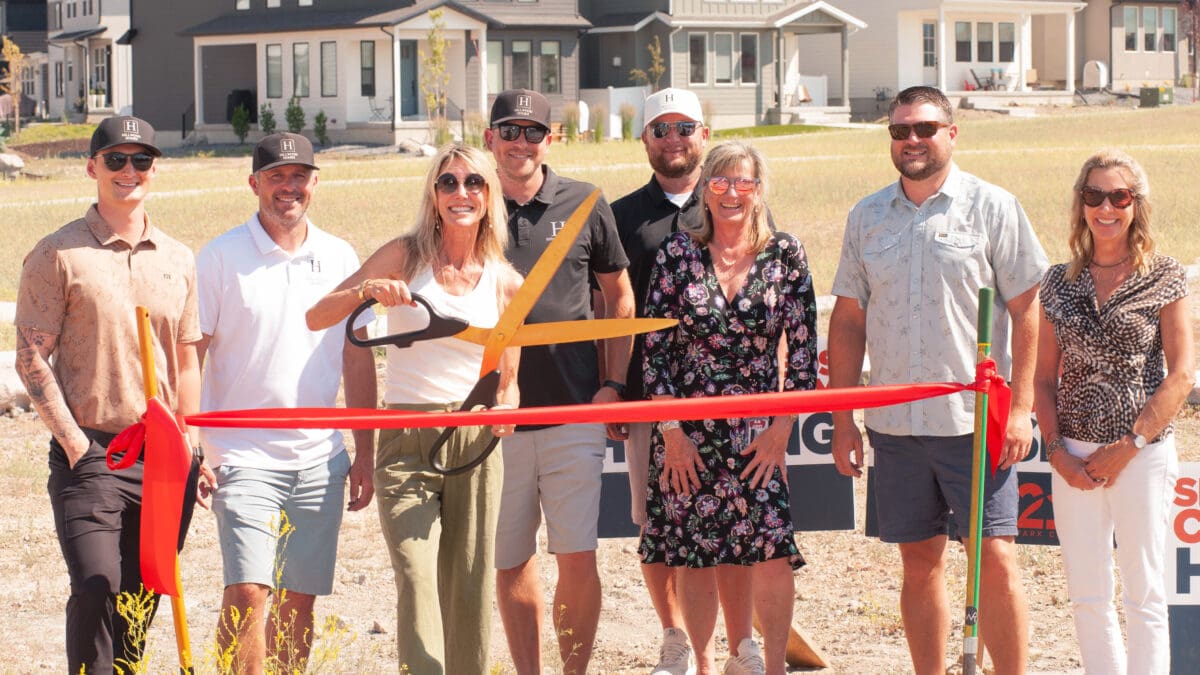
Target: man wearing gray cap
{"x":255,"y":283}
{"x":79,"y":287}
{"x":555,"y":470}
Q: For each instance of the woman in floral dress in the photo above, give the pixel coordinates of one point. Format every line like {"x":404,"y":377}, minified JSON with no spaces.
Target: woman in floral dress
{"x":718,"y":500}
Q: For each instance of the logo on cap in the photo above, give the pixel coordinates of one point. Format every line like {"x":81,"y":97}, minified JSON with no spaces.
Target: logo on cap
{"x":524,"y":102}
{"x":669,"y":97}
{"x":131,"y":127}
{"x":287,"y":145}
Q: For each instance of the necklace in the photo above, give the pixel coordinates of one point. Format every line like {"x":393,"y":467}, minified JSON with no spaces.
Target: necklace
{"x":1109,"y":274}
{"x":1120,"y":262}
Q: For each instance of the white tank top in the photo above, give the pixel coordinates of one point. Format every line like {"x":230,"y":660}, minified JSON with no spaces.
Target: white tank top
{"x":442,"y":370}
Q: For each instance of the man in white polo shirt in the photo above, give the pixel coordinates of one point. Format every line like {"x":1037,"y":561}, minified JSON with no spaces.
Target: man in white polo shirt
{"x":255,"y":283}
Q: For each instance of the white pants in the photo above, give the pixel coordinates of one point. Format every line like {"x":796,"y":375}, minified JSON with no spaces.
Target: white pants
{"x":1137,"y":510}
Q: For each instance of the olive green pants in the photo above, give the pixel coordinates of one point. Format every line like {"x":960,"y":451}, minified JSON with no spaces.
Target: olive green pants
{"x":440,"y":532}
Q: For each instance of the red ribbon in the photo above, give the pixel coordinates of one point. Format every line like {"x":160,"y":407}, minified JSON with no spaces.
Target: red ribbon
{"x":164,"y":481}
{"x":991,"y":383}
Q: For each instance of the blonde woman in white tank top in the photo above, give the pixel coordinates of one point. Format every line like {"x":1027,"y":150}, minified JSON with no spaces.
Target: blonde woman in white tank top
{"x":440,"y":529}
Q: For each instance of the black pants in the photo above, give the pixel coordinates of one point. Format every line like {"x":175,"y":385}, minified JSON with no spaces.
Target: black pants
{"x":98,"y":517}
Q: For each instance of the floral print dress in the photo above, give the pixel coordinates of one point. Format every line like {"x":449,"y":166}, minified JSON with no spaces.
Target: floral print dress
{"x":725,"y":347}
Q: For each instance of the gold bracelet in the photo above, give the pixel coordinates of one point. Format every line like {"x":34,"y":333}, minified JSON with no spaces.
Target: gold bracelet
{"x":362,"y":290}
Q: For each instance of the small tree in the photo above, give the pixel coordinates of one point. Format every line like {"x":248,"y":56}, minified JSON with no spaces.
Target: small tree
{"x":266,"y":119}
{"x":294,"y":115}
{"x":570,"y":122}
{"x":320,"y":127}
{"x":652,"y":75}
{"x":600,"y":118}
{"x":241,"y":122}
{"x":10,"y":79}
{"x":435,"y":76}
{"x":627,"y":113}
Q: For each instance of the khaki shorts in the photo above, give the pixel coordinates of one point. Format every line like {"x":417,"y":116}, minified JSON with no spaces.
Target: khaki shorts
{"x":555,"y":471}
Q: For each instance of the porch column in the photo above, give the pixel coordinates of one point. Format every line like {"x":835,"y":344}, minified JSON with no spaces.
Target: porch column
{"x":395,"y":77}
{"x":1070,"y":51}
{"x":483,"y":71}
{"x":779,"y":72}
{"x":1025,"y":52}
{"x":941,"y":48}
{"x":845,"y":66}
{"x":197,"y":82}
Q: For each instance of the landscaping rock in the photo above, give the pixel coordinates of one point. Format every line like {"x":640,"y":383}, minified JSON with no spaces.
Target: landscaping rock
{"x":11,"y":165}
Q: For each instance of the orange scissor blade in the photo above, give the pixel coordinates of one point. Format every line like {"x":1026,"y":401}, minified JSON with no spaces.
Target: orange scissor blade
{"x":558,"y":332}
{"x":535,"y":282}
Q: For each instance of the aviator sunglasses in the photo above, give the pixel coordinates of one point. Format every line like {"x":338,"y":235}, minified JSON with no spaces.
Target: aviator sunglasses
{"x":901,"y":132}
{"x":447,"y":183}
{"x":115,"y":161}
{"x":1119,"y":199}
{"x":684,"y":129}
{"x":719,"y":185}
{"x":511,"y":132}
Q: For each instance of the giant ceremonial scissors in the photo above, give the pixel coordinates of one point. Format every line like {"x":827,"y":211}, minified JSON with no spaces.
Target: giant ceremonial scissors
{"x":510,"y":329}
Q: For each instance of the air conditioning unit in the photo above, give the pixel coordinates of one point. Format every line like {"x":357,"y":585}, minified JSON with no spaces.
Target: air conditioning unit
{"x":1095,"y":75}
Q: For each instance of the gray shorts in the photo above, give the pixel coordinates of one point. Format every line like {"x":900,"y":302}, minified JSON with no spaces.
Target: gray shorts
{"x":247,"y":504}
{"x":921,"y":481}
{"x":557,"y":471}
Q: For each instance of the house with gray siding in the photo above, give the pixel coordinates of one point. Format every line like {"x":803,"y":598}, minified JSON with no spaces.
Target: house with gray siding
{"x":24,"y":22}
{"x":90,"y":60}
{"x":360,"y":62}
{"x":749,"y":61}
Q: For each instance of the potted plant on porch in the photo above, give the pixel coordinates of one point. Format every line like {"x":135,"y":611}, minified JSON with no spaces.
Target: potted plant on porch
{"x":96,"y":98}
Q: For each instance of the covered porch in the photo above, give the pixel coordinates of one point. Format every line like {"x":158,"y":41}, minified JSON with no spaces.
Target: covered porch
{"x":803,"y":93}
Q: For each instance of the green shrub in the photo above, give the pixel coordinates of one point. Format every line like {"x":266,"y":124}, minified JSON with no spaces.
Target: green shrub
{"x":570,"y":122}
{"x":627,"y":113}
{"x":241,"y":122}
{"x":266,"y":119}
{"x":599,"y":119}
{"x":294,"y":115}
{"x":320,"y":127}
{"x":473,"y":126}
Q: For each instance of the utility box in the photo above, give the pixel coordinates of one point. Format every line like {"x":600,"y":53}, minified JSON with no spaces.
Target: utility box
{"x":1152,"y":97}
{"x":1095,"y":75}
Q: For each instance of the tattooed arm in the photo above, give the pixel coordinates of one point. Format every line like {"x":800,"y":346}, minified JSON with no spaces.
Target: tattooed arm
{"x":33,"y":367}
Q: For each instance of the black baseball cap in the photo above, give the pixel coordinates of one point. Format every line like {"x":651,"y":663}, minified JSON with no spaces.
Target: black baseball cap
{"x":121,"y":130}
{"x":283,"y":148}
{"x":520,"y":104}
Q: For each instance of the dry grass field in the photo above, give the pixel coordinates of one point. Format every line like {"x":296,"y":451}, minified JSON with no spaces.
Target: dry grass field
{"x":846,"y":598}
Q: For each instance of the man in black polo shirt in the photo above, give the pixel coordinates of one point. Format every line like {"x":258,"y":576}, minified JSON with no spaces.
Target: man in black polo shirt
{"x":555,"y":470}
{"x":674,"y":137}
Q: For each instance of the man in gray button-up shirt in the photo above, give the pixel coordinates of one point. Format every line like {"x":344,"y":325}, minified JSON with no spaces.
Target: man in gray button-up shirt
{"x":913,"y":260}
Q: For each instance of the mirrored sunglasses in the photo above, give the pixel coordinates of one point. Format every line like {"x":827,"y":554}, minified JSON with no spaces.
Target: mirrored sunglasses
{"x":1119,"y":199}
{"x":684,"y":129}
{"x":447,"y":183}
{"x":719,"y":185}
{"x":901,"y":132}
{"x":511,"y":132}
{"x":115,"y":161}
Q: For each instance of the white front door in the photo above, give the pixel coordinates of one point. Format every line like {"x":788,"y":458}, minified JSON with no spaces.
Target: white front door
{"x":929,"y":53}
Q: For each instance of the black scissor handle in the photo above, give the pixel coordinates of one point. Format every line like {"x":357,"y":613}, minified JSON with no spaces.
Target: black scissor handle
{"x":439,"y":326}
{"x":482,"y":394}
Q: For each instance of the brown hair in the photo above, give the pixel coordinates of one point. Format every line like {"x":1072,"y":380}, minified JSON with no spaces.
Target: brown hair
{"x":923,"y":94}
{"x":721,"y":158}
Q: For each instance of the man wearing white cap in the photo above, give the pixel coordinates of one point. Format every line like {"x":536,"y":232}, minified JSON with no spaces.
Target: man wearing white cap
{"x":674,"y":137}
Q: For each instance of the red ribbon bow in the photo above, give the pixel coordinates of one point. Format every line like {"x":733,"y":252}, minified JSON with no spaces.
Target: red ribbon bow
{"x":989,"y":382}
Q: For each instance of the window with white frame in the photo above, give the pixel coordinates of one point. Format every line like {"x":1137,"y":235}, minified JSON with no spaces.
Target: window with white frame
{"x":984,"y":47}
{"x":551,"y":67}
{"x":58,"y":79}
{"x":723,"y":58}
{"x":1150,"y":29}
{"x":58,"y":16}
{"x":749,"y":58}
{"x":1131,"y":28}
{"x":698,"y":58}
{"x":274,"y":71}
{"x":495,"y":66}
{"x":366,"y":67}
{"x":1169,"y":18}
{"x":300,"y":69}
{"x":522,"y":64}
{"x":241,"y":4}
{"x":329,"y":69}
{"x":1008,"y":41}
{"x":962,"y":41}
{"x":928,"y":45}
{"x":99,"y":70}
{"x":304,"y":3}
{"x":27,"y":75}
{"x":272,"y":3}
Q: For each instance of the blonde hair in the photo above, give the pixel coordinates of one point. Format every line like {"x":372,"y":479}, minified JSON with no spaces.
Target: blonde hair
{"x":1141,"y":241}
{"x":421,"y":246}
{"x":720,"y":159}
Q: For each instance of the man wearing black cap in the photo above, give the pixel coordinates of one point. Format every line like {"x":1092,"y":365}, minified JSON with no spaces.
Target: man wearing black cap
{"x":79,"y":287}
{"x":554,"y":470}
{"x":255,"y":283}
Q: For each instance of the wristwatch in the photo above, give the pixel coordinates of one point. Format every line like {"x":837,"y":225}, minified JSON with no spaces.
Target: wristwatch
{"x":1054,"y":446}
{"x":618,"y":387}
{"x":1139,"y":441}
{"x":666,"y":425}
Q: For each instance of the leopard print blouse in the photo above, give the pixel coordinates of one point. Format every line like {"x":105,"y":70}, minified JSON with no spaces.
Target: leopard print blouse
{"x":1112,"y":356}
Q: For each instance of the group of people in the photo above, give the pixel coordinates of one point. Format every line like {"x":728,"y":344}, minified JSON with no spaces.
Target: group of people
{"x":258,"y":320}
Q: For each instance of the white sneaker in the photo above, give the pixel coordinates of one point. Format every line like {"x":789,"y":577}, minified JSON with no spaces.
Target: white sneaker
{"x":675,"y":655}
{"x":749,"y":660}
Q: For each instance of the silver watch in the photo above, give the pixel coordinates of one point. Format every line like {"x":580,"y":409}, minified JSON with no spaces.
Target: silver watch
{"x":1139,"y":441}
{"x":666,"y":425}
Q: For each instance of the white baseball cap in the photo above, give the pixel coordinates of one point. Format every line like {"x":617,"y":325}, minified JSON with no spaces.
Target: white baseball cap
{"x":665,"y":101}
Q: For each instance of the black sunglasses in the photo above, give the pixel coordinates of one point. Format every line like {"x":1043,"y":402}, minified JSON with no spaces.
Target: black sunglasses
{"x":1119,"y":199}
{"x":684,"y":129}
{"x":719,"y":185}
{"x":901,"y":132}
{"x":447,"y":183}
{"x":115,"y":161}
{"x":511,"y":132}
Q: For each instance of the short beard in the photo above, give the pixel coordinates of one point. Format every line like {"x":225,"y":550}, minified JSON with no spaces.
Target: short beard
{"x":914,"y":173}
{"x":667,"y":170}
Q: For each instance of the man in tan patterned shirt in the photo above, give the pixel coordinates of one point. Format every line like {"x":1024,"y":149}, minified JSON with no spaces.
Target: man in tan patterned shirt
{"x":77,"y":354}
